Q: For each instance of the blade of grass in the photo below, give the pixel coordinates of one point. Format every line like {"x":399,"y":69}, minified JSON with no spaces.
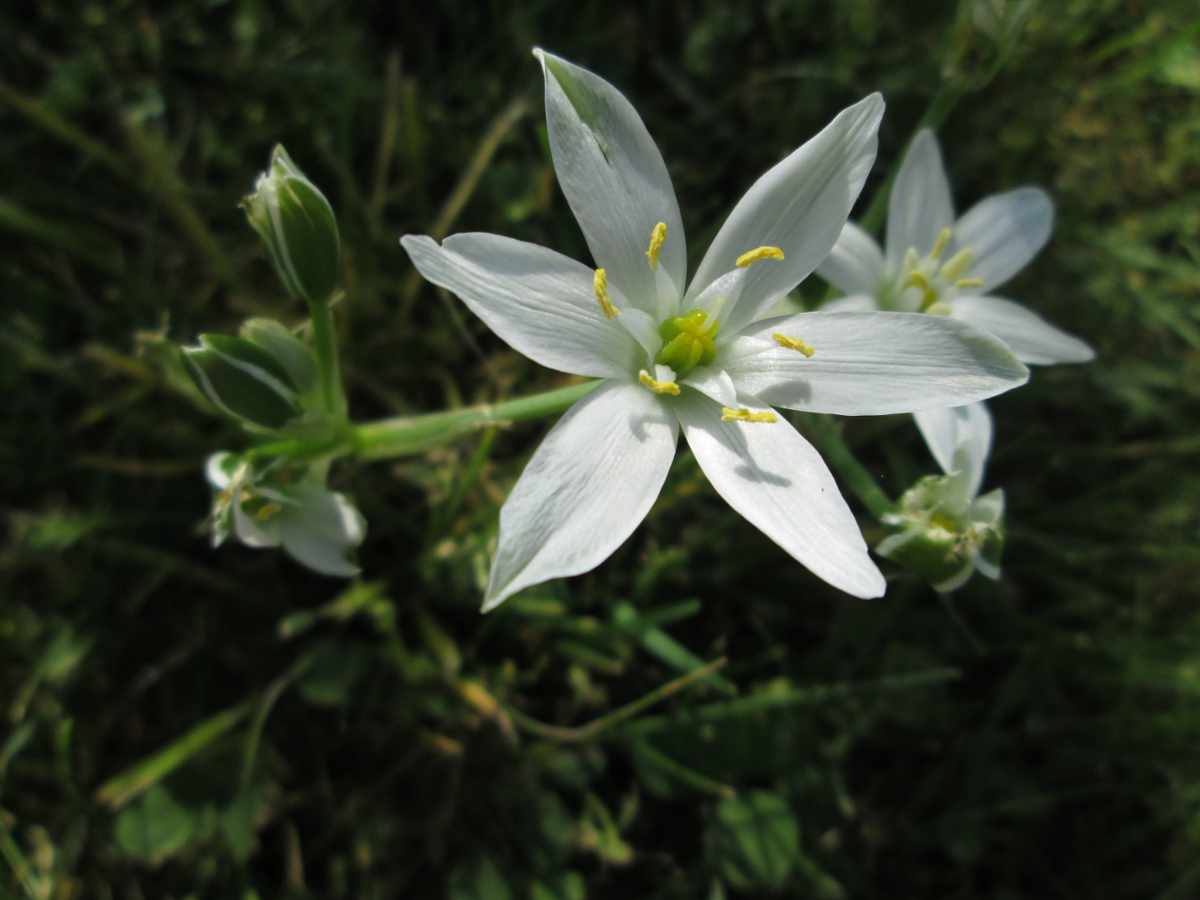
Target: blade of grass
{"x":118,"y":791}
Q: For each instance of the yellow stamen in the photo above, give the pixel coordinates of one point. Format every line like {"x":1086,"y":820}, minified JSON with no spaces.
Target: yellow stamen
{"x":657,"y":236}
{"x":969,"y":282}
{"x":916,"y":278}
{"x":747,"y":415}
{"x":957,"y":265}
{"x":942,"y":239}
{"x":758,"y":253}
{"x":267,"y":511}
{"x":600,"y":283}
{"x":792,"y":343}
{"x":659,"y":387}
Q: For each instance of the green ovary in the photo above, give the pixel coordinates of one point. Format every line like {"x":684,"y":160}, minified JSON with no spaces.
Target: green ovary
{"x":686,"y":342}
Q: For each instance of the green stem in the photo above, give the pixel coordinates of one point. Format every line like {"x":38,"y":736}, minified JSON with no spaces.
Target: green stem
{"x":407,"y":435}
{"x":827,"y":437}
{"x":939,"y":109}
{"x":628,"y":711}
{"x":324,"y":338}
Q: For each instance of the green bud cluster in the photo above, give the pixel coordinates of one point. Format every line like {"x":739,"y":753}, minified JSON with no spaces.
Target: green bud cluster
{"x":262,"y":378}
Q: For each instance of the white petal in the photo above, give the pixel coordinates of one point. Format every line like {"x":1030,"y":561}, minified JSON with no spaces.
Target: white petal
{"x":869,"y":364}
{"x":986,"y":569}
{"x":252,"y":531}
{"x":714,"y":382}
{"x":957,"y":580}
{"x":215,"y":470}
{"x":721,"y":297}
{"x":585,"y":490}
{"x":1031,"y":338}
{"x":945,"y":429}
{"x":319,"y":530}
{"x":643,"y":328}
{"x":799,"y":206}
{"x":920,"y":205}
{"x":855,"y":264}
{"x":780,"y":484}
{"x":851,"y":303}
{"x":613,"y":177}
{"x":965,"y":478}
{"x":541,"y":303}
{"x":1005,"y":231}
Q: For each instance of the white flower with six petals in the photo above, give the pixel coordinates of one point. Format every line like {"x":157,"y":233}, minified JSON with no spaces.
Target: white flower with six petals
{"x":695,"y":359}
{"x":936,"y":264}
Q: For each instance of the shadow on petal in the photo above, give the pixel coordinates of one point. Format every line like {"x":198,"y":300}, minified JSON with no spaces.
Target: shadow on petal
{"x":758,"y":475}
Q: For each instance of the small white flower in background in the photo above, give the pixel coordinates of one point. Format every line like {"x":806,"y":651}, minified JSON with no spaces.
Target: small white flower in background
{"x":936,"y":264}
{"x":947,"y":531}
{"x":695,"y":359}
{"x":265,"y":508}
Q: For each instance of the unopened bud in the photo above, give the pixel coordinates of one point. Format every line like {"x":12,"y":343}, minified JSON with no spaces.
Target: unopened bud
{"x":291,"y":352}
{"x":244,"y":380}
{"x":297,"y":227}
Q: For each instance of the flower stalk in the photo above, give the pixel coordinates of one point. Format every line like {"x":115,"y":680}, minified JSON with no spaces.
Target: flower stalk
{"x":407,"y":435}
{"x":324,"y":341}
{"x":826,"y":436}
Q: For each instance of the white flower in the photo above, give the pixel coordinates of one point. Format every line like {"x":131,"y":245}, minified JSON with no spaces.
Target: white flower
{"x":935,"y":264}
{"x":315,"y":526}
{"x":939,"y":265}
{"x":695,"y":360}
{"x":946,"y":530}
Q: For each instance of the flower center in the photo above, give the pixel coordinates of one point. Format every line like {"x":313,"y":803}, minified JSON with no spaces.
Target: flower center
{"x":687,"y":342}
{"x":926,"y":284}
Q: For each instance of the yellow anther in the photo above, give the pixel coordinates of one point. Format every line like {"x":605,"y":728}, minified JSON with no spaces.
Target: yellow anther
{"x":957,"y":265}
{"x":792,"y":343}
{"x":969,"y":282}
{"x":657,"y":236}
{"x":747,"y":415}
{"x":600,"y":283}
{"x":659,"y":387}
{"x":942,"y":239}
{"x":267,"y":511}
{"x":916,"y":278}
{"x":758,"y":253}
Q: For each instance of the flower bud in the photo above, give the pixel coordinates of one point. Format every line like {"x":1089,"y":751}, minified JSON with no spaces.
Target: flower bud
{"x":297,"y":227}
{"x":944,"y":539}
{"x":291,"y":352}
{"x":244,"y":380}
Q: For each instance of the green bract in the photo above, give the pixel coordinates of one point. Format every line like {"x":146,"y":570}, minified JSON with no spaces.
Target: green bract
{"x":244,"y":380}
{"x":297,"y":227}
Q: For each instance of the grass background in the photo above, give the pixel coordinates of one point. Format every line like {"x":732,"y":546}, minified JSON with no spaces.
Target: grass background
{"x":182,"y":722}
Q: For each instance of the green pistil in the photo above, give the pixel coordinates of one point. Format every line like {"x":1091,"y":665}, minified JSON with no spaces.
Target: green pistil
{"x":687,"y":343}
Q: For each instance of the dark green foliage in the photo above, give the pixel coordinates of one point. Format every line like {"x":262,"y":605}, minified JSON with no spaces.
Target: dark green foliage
{"x":185,"y":721}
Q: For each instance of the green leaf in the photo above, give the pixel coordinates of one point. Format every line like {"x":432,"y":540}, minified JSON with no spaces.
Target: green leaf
{"x":155,"y":826}
{"x":754,"y":841}
{"x":336,"y":666}
{"x":478,"y":879}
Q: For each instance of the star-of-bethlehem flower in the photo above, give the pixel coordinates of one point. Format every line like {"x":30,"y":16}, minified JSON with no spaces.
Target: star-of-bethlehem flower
{"x":946,"y":530}
{"x":268,"y":504}
{"x":696,"y":359}
{"x":935,"y":264}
